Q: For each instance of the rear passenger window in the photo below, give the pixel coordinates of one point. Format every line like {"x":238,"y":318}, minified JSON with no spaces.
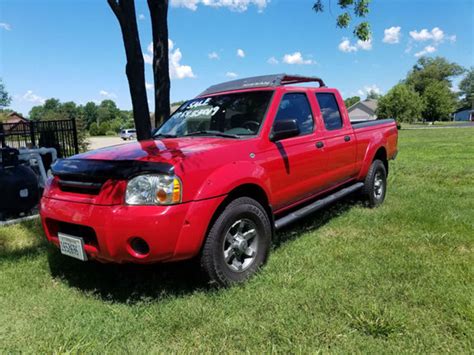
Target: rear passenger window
{"x":330,"y":111}
{"x":296,"y":106}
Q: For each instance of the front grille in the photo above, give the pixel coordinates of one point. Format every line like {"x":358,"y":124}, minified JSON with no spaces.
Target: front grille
{"x":80,"y":187}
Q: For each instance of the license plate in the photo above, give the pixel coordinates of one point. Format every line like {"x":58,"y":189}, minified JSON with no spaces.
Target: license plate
{"x":72,"y":246}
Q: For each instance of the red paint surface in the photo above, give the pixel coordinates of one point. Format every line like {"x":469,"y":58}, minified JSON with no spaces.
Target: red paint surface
{"x":290,"y":172}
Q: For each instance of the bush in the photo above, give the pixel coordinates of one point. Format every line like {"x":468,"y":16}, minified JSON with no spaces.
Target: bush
{"x":116,"y":125}
{"x":104,"y":127}
{"x":94,"y":129}
{"x":401,"y":103}
{"x":110,"y":133}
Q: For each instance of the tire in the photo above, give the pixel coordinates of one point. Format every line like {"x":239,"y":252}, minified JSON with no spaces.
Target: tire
{"x":232,"y":252}
{"x":375,"y":184}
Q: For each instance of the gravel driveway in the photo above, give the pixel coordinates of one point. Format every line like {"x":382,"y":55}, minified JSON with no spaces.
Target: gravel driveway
{"x":103,"y":141}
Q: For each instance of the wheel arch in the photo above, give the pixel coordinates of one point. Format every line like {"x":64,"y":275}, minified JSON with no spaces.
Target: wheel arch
{"x":251,"y":190}
{"x":381,"y":154}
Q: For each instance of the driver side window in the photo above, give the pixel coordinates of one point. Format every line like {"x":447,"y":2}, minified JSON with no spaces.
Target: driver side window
{"x":296,"y":106}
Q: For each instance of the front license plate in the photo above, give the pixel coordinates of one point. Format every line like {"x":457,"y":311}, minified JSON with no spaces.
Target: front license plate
{"x":72,"y":246}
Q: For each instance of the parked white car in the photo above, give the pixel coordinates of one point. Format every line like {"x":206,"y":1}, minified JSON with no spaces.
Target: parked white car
{"x":128,"y":134}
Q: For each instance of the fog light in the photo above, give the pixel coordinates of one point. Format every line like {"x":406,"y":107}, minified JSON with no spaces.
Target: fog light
{"x":139,"y":246}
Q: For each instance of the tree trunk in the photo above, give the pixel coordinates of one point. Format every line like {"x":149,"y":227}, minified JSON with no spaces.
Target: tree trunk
{"x":124,"y":10}
{"x":159,"y":24}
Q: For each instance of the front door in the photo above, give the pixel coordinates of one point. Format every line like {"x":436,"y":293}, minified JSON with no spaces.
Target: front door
{"x":295,"y":165}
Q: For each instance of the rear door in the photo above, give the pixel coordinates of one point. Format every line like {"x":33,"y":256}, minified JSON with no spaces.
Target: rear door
{"x":339,"y":139}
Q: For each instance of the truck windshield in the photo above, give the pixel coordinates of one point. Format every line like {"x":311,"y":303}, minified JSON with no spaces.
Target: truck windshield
{"x":230,"y":116}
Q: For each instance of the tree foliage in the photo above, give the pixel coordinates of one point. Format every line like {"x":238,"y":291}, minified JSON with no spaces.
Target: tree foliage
{"x":53,"y":109}
{"x":430,"y":70}
{"x":351,"y":101}
{"x":401,"y":103}
{"x":5,"y":98}
{"x":439,"y":102}
{"x":373,"y":95}
{"x":357,"y":8}
{"x":466,"y":87}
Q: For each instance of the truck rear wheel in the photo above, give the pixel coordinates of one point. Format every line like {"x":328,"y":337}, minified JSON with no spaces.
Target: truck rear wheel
{"x":238,"y":242}
{"x":375,"y":184}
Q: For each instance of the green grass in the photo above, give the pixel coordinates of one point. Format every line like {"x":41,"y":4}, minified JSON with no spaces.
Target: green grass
{"x":399,"y":278}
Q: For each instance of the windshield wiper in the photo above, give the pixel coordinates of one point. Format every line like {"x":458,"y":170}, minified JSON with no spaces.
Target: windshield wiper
{"x":212,"y":133}
{"x":164,"y":135}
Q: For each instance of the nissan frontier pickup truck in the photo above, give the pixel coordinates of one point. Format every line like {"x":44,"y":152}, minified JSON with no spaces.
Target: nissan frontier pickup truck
{"x":219,"y":177}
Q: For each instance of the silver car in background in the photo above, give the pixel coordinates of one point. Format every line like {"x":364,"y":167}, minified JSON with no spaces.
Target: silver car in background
{"x":128,"y":134}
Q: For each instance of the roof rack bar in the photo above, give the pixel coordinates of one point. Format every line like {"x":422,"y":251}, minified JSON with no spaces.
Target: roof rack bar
{"x":296,"y":79}
{"x":261,"y":82}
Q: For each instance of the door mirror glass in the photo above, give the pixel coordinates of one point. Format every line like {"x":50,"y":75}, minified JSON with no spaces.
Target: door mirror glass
{"x":283,"y":129}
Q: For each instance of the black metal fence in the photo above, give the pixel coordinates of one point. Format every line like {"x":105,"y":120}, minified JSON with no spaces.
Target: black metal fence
{"x":60,"y":134}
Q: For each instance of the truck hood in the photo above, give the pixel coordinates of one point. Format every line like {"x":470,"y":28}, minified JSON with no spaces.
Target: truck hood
{"x":170,"y":151}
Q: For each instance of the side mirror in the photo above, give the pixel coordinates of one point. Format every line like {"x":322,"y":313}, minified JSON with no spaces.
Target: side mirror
{"x":284,"y":129}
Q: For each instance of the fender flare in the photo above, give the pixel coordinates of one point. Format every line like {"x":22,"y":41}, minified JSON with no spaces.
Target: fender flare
{"x":230,"y":176}
{"x":378,"y":142}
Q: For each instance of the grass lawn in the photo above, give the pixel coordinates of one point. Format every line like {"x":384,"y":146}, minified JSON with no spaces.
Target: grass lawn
{"x":350,"y":279}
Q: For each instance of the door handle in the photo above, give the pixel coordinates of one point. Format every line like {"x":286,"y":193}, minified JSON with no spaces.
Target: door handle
{"x":319,"y":144}
{"x":347,"y":138}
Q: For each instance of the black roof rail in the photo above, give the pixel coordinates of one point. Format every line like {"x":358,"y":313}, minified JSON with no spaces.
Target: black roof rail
{"x":262,"y":81}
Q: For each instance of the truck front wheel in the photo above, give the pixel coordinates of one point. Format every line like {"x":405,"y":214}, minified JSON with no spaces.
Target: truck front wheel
{"x":238,"y":242}
{"x":375,"y":184}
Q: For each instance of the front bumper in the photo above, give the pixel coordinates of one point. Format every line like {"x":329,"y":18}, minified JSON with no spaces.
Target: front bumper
{"x":171,"y":232}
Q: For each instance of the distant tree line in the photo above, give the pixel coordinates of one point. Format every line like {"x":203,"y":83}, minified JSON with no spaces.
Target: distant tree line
{"x":104,"y":118}
{"x":426,"y":93}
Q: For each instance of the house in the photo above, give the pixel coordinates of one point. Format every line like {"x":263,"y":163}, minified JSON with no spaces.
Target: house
{"x":14,"y":117}
{"x":464,"y":115}
{"x":363,"y":110}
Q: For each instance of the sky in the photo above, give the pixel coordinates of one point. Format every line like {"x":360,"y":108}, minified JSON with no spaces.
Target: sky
{"x":73,"y":50}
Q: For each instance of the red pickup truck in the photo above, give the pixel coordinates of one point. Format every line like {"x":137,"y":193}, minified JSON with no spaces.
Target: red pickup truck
{"x":226,"y":171}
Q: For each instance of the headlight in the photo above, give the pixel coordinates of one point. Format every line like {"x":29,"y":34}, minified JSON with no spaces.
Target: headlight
{"x":153,"y":190}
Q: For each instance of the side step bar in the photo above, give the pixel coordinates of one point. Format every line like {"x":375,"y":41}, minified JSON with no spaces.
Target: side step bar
{"x":313,"y":207}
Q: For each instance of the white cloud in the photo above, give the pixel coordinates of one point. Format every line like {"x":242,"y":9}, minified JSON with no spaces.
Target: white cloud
{"x":231,"y":75}
{"x":392,"y":35}
{"x":177,"y":70}
{"x":106,"y":94}
{"x":141,"y":17}
{"x":436,"y":35}
{"x":148,"y":57}
{"x":347,"y":47}
{"x":148,"y":86}
{"x":423,"y":35}
{"x":369,"y":88}
{"x":5,"y":26}
{"x":31,"y":97}
{"x":296,"y":58}
{"x":365,"y":45}
{"x":426,"y":50}
{"x":233,"y":5}
{"x":213,"y":55}
{"x":240,"y":53}
{"x":272,"y":60}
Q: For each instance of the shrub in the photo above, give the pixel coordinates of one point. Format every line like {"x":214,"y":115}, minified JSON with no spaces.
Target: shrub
{"x":94,"y":129}
{"x":103,"y":128}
